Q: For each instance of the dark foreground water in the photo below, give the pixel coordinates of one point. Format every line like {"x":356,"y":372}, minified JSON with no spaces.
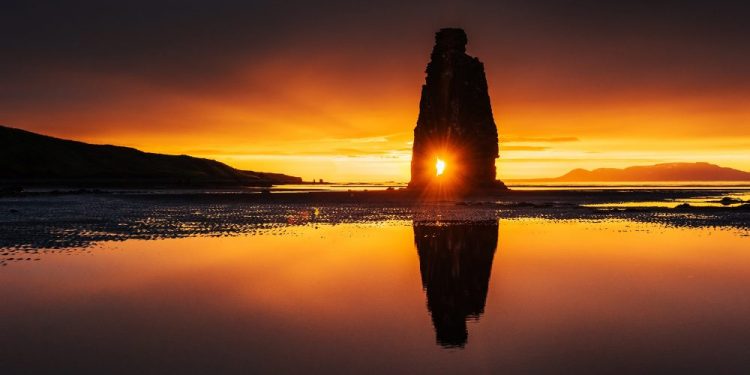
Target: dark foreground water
{"x":445,"y":289}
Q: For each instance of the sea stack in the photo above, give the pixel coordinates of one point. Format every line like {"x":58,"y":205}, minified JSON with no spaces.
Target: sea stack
{"x":455,"y":140}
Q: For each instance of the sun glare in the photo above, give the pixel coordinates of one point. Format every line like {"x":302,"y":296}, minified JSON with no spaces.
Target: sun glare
{"x":439,"y":167}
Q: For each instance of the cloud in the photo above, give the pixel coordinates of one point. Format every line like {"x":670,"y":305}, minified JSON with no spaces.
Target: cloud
{"x":523,"y":148}
{"x":538,"y":140}
{"x":306,"y":78}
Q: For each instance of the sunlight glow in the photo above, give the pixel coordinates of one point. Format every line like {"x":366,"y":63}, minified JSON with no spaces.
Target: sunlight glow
{"x":439,"y":167}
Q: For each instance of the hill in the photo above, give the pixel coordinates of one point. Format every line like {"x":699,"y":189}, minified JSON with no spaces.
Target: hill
{"x":659,"y":172}
{"x":28,"y":158}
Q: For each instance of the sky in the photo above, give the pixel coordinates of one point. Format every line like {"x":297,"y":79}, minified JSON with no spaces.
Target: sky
{"x":330,"y":89}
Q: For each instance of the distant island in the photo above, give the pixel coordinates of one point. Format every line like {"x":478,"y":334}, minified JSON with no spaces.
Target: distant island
{"x":30,"y":159}
{"x":666,"y":172}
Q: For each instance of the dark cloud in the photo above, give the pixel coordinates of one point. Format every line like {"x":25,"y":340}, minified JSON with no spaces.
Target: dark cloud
{"x":63,"y":53}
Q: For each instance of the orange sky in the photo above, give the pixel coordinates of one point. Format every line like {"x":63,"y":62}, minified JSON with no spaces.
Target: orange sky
{"x":578,"y":88}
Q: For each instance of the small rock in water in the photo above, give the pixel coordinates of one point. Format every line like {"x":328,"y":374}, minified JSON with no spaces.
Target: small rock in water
{"x":728,"y":200}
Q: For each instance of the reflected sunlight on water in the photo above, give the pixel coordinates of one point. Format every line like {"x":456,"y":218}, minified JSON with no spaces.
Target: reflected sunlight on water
{"x":538,"y":295}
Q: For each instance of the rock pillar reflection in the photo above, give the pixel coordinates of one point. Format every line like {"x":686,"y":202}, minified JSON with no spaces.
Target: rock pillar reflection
{"x":455,"y":262}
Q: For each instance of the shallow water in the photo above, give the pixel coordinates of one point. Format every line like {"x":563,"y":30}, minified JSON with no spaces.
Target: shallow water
{"x":726,"y":199}
{"x":523,"y":295}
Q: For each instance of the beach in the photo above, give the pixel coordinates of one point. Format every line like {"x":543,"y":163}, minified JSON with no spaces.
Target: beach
{"x":59,"y":220}
{"x":350,"y":282}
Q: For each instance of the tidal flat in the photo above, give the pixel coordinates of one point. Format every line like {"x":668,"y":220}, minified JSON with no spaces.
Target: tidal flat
{"x":610,"y":281}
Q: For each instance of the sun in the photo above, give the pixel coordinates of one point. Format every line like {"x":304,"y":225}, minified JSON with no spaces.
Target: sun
{"x":439,"y":167}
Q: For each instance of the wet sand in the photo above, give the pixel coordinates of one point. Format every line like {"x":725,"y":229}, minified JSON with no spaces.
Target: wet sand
{"x":78,"y":219}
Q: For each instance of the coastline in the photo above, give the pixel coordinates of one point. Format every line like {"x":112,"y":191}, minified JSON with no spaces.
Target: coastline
{"x":49,"y":220}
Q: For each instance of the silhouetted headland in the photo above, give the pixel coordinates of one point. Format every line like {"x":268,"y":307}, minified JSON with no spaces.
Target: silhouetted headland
{"x":30,"y":159}
{"x":455,"y":140}
{"x":652,"y":173}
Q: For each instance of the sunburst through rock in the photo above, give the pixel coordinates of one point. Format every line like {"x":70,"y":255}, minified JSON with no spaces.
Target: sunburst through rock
{"x":439,"y":167}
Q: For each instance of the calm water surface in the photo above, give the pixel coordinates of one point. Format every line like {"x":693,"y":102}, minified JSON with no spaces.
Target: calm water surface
{"x":515,"y":296}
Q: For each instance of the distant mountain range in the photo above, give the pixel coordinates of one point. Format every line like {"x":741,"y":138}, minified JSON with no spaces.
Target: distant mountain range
{"x":28,"y":158}
{"x":660,"y":172}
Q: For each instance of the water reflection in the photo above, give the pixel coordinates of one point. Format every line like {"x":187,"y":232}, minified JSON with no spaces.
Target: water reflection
{"x":564,"y":296}
{"x":455,"y":261}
